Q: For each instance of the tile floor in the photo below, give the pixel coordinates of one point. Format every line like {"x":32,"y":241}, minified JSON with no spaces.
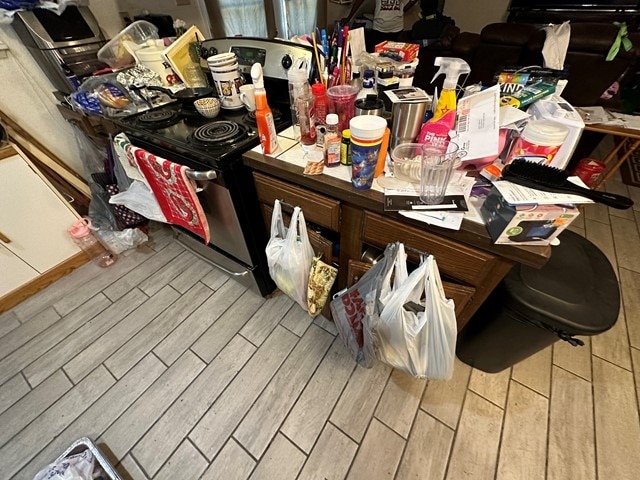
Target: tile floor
{"x":180,"y":373}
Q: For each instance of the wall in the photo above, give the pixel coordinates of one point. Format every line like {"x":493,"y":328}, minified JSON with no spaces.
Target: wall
{"x":472,"y":16}
{"x":26,"y":97}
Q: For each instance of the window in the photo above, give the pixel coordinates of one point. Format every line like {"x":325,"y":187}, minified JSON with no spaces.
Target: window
{"x":262,"y":18}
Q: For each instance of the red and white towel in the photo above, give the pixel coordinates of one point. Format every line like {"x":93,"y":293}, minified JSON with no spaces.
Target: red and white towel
{"x":175,"y":193}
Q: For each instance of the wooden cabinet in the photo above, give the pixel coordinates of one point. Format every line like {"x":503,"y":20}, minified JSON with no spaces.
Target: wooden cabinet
{"x":36,"y":248}
{"x":318,"y":209}
{"x":470,"y":264}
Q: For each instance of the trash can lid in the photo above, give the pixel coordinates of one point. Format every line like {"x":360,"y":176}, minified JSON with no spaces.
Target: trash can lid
{"x":576,"y":290}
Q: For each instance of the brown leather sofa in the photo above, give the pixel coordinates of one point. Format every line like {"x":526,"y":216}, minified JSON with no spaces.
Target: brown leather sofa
{"x":511,"y":44}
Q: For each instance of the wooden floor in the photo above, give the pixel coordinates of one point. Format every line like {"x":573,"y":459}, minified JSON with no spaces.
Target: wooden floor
{"x":178,"y":372}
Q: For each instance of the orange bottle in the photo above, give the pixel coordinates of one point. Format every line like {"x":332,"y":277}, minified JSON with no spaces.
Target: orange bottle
{"x":264,"y":117}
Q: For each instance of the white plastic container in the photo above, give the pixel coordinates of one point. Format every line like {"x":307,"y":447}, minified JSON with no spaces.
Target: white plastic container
{"x":115,"y":52}
{"x":541,"y":138}
{"x":151,"y":57}
{"x":558,"y":110}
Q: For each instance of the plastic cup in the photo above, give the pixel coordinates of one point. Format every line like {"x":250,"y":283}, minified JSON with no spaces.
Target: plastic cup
{"x":367,"y":132}
{"x":342,"y":101}
{"x":435,"y":172}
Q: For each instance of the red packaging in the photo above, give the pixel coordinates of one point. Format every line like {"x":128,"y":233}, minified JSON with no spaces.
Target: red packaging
{"x":408,"y":51}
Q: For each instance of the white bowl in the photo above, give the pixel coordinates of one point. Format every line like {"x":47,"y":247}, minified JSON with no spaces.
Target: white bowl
{"x":208,"y":107}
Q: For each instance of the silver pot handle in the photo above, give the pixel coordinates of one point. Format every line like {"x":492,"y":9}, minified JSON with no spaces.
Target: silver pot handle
{"x":202,"y":176}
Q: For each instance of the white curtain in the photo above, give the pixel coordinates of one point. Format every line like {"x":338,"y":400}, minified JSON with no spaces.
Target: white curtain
{"x":295,"y":17}
{"x":243,"y":17}
{"x":248,"y":17}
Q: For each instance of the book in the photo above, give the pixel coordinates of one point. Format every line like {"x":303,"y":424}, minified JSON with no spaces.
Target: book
{"x":179,"y":56}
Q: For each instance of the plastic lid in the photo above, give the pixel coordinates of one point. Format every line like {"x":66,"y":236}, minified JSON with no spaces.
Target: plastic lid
{"x":576,"y":290}
{"x":332,"y":119}
{"x":317,"y":89}
{"x":81,"y":228}
{"x":545,"y":132}
{"x":346,"y":133}
{"x":256,"y":75}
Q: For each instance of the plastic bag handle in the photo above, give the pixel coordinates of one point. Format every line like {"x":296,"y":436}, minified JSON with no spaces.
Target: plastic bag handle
{"x":277,"y":222}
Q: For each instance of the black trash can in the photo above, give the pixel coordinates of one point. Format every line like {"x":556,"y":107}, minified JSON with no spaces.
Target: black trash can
{"x":575,"y":293}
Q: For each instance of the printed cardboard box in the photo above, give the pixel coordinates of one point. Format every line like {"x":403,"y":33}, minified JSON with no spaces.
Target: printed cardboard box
{"x":524,"y":224}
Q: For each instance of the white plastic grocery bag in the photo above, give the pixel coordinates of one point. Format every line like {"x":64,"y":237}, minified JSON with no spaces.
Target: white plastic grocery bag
{"x":289,"y":254}
{"x":416,"y":329}
{"x":350,"y":307}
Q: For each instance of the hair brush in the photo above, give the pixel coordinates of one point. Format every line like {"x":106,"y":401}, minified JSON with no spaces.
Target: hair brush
{"x":551,"y":179}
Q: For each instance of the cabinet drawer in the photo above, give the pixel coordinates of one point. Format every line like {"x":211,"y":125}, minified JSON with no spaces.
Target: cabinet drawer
{"x":317,"y":208}
{"x":321,"y":245}
{"x":460,"y":294}
{"x":455,"y":260}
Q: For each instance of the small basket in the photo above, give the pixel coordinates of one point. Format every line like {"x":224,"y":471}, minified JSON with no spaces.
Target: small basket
{"x":86,"y":444}
{"x":207,"y":107}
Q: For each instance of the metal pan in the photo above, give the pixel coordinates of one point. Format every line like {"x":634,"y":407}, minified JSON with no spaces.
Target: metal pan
{"x":186,"y":96}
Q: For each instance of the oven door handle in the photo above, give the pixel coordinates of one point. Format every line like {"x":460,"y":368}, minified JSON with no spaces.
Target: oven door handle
{"x":202,"y":176}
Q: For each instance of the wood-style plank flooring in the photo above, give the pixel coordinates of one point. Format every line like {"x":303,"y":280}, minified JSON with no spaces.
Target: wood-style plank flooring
{"x":178,"y":372}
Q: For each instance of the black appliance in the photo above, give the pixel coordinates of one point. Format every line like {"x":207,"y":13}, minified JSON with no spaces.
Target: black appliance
{"x":62,"y":44}
{"x":212,"y":149}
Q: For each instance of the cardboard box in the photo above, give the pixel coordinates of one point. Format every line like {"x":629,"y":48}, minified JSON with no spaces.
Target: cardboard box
{"x":524,"y":224}
{"x":406,"y":52}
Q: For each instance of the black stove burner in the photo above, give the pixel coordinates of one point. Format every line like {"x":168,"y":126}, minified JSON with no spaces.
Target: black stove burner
{"x":250,"y":117}
{"x":158,"y":118}
{"x":222,"y":132}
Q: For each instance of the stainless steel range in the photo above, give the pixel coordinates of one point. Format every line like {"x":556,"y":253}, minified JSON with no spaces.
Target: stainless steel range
{"x":213,"y":150}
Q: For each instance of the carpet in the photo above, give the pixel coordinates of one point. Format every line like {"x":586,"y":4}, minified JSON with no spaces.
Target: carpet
{"x":630,"y":170}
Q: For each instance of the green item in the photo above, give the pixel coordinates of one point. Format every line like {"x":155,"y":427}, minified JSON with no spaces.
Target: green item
{"x":621,"y":39}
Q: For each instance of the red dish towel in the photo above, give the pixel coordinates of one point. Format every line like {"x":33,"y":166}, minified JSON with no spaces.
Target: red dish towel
{"x":175,"y":193}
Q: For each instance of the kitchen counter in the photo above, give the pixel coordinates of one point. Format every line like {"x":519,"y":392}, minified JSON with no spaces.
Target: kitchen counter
{"x":467,"y":257}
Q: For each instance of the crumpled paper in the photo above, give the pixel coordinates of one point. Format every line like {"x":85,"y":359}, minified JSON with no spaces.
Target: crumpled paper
{"x":556,"y":44}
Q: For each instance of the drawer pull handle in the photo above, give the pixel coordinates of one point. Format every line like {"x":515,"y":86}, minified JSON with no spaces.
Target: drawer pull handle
{"x":415,"y":250}
{"x":285,"y":204}
{"x":4,"y":238}
{"x":202,"y":176}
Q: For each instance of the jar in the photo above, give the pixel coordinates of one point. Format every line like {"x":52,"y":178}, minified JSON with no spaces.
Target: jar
{"x":81,"y":234}
{"x":589,"y":171}
{"x":541,"y":138}
{"x":345,"y":148}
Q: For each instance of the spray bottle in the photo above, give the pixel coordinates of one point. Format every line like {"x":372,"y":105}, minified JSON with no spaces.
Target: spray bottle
{"x":436,"y":131}
{"x":264,"y":117}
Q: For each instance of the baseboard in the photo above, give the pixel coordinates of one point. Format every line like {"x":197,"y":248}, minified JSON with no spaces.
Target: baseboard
{"x":17,"y":296}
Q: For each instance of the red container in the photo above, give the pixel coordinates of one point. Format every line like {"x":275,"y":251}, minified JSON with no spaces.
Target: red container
{"x":589,"y":171}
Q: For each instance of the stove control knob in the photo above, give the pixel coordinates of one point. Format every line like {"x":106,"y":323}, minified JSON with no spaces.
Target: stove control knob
{"x":286,"y":62}
{"x":208,"y":52}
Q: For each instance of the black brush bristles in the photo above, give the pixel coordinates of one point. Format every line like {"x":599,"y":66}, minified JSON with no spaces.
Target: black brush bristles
{"x":551,"y":179}
{"x":535,"y":172}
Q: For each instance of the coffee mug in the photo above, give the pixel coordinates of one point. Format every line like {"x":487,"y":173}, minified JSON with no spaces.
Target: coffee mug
{"x":248,"y":97}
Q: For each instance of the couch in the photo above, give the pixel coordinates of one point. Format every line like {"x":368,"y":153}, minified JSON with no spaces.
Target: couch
{"x":510,"y":44}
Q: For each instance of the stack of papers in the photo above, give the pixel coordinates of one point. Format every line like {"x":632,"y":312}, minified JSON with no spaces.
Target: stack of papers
{"x":518,"y":195}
